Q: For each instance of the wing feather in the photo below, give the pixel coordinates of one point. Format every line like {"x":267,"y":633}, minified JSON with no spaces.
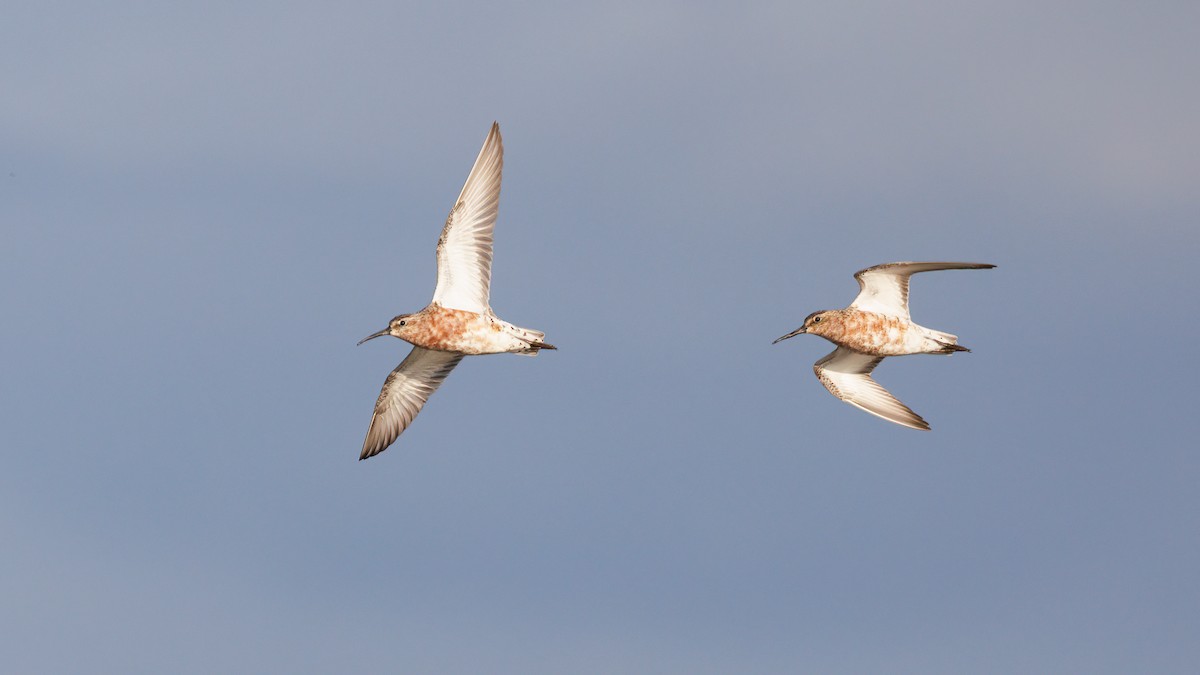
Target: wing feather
{"x":404,"y":394}
{"x":847,"y":375}
{"x":884,"y":288}
{"x":464,"y":250}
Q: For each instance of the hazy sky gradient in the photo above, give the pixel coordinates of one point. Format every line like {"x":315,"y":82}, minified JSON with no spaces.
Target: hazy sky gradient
{"x":205,"y":206}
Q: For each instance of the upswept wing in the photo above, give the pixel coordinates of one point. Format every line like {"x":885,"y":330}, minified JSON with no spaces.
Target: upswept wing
{"x":404,"y":394}
{"x":847,"y":375}
{"x":884,"y":288}
{"x":464,"y":251}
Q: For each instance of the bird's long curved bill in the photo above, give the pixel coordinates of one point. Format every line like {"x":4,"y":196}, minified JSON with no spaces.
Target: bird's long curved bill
{"x":794,"y":333}
{"x":372,"y":336}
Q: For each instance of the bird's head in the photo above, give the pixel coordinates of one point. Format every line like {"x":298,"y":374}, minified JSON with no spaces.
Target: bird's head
{"x":814,"y":323}
{"x":398,"y":327}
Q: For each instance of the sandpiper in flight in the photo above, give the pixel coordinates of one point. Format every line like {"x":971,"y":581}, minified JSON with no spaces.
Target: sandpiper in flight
{"x":459,"y":321}
{"x":874,"y":326}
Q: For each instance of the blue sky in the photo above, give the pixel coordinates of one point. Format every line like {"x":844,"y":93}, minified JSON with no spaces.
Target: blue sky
{"x":205,"y":207}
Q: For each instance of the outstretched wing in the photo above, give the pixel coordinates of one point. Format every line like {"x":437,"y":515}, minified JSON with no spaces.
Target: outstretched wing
{"x":404,"y":394}
{"x":885,"y":287}
{"x":464,"y":251}
{"x":847,"y":375}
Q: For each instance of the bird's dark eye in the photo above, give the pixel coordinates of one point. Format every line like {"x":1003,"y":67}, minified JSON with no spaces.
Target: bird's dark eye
{"x":816,"y":319}
{"x":401,"y":323}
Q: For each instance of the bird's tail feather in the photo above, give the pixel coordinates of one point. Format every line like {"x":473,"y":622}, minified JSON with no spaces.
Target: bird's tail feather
{"x":531,"y":338}
{"x":948,"y":348}
{"x":947,"y":341}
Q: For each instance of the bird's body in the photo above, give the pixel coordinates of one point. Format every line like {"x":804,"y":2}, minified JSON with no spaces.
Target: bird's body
{"x":874,"y":333}
{"x":877,"y":325}
{"x":469,"y":333}
{"x":459,"y":321}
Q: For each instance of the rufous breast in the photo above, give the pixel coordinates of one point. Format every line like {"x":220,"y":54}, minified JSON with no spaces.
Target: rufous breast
{"x":867,"y":332}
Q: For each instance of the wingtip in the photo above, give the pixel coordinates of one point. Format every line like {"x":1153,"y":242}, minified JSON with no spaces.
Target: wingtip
{"x":915,"y":422}
{"x":370,"y":451}
{"x":918,"y":422}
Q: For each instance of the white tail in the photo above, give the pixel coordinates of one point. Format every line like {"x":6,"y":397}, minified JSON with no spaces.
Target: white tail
{"x":530,"y":341}
{"x":948,"y":338}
